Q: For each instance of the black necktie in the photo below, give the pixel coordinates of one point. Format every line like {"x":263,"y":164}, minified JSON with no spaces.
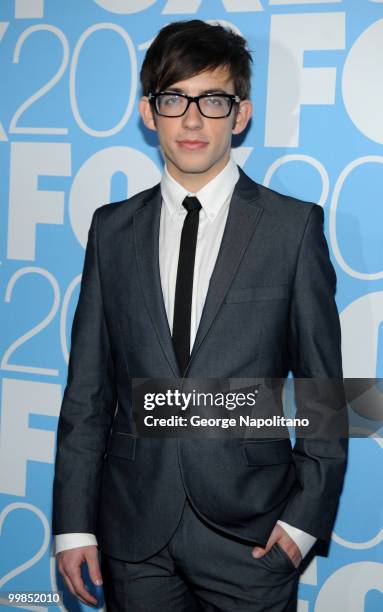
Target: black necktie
{"x":184,"y":284}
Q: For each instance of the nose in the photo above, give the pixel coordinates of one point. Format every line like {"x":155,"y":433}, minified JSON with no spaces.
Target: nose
{"x":193,"y":119}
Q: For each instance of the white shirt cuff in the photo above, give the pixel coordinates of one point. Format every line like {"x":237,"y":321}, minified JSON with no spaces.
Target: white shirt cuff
{"x":65,"y":541}
{"x":303,"y":540}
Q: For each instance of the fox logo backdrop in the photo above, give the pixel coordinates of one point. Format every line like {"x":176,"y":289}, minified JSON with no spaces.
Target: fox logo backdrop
{"x":71,"y":140}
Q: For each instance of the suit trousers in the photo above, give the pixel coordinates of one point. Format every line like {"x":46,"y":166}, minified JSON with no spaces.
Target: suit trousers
{"x":201,"y":570}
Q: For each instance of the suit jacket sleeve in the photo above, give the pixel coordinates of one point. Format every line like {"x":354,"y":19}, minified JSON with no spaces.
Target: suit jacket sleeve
{"x":316,"y":363}
{"x":88,"y":406}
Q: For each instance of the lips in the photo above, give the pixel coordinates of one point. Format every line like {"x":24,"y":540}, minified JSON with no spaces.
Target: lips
{"x":192,"y":144}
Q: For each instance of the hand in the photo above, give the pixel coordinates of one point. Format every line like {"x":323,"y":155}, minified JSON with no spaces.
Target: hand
{"x":69,"y":565}
{"x":280,"y":536}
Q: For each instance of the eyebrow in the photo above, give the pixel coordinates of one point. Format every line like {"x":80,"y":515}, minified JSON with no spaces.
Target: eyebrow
{"x":205,"y":91}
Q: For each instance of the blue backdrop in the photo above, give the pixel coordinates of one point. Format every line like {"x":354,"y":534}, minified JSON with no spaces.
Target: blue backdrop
{"x":71,"y":140}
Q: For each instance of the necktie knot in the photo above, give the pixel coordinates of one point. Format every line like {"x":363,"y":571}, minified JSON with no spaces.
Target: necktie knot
{"x":191,"y":203}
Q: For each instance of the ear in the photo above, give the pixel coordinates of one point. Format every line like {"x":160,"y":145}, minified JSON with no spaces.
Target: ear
{"x":242,"y":118}
{"x":146,"y":113}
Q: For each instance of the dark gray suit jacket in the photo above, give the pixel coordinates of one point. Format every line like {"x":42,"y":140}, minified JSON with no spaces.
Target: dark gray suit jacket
{"x":270,"y":309}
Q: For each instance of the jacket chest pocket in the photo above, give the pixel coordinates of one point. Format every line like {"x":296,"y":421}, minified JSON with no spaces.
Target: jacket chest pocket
{"x":253,"y":294}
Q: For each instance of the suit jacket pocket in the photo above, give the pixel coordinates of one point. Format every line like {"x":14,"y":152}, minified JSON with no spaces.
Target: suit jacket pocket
{"x":262,"y":292}
{"x":122,"y":445}
{"x":262,"y":452}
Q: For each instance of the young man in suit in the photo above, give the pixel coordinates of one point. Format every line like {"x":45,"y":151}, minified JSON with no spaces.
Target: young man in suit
{"x":207,"y":275}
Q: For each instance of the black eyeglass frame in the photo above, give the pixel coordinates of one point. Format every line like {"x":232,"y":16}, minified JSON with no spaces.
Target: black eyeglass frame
{"x":152,"y":97}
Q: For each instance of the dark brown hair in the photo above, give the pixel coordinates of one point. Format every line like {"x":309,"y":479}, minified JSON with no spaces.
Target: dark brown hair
{"x":185,"y":48}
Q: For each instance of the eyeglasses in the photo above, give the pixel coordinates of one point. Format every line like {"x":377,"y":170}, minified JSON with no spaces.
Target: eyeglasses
{"x":212,"y":106}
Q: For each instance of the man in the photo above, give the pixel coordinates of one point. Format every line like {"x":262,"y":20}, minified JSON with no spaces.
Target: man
{"x":207,"y":275}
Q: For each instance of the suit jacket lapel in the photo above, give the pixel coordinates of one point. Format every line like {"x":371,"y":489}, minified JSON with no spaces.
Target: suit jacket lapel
{"x":243,"y":217}
{"x":146,"y":231}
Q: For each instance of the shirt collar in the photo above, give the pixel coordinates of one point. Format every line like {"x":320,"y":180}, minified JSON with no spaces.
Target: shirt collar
{"x":212,"y":196}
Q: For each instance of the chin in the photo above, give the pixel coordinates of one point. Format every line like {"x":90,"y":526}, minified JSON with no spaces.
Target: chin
{"x":196,"y":166}
{"x":192,"y":168}
{"x":195,"y":169}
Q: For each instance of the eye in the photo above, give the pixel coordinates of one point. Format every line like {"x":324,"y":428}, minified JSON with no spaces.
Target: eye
{"x":215,"y":101}
{"x":170,"y":100}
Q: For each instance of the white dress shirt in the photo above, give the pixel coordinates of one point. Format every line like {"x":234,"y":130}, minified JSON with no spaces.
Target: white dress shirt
{"x":215,"y":199}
